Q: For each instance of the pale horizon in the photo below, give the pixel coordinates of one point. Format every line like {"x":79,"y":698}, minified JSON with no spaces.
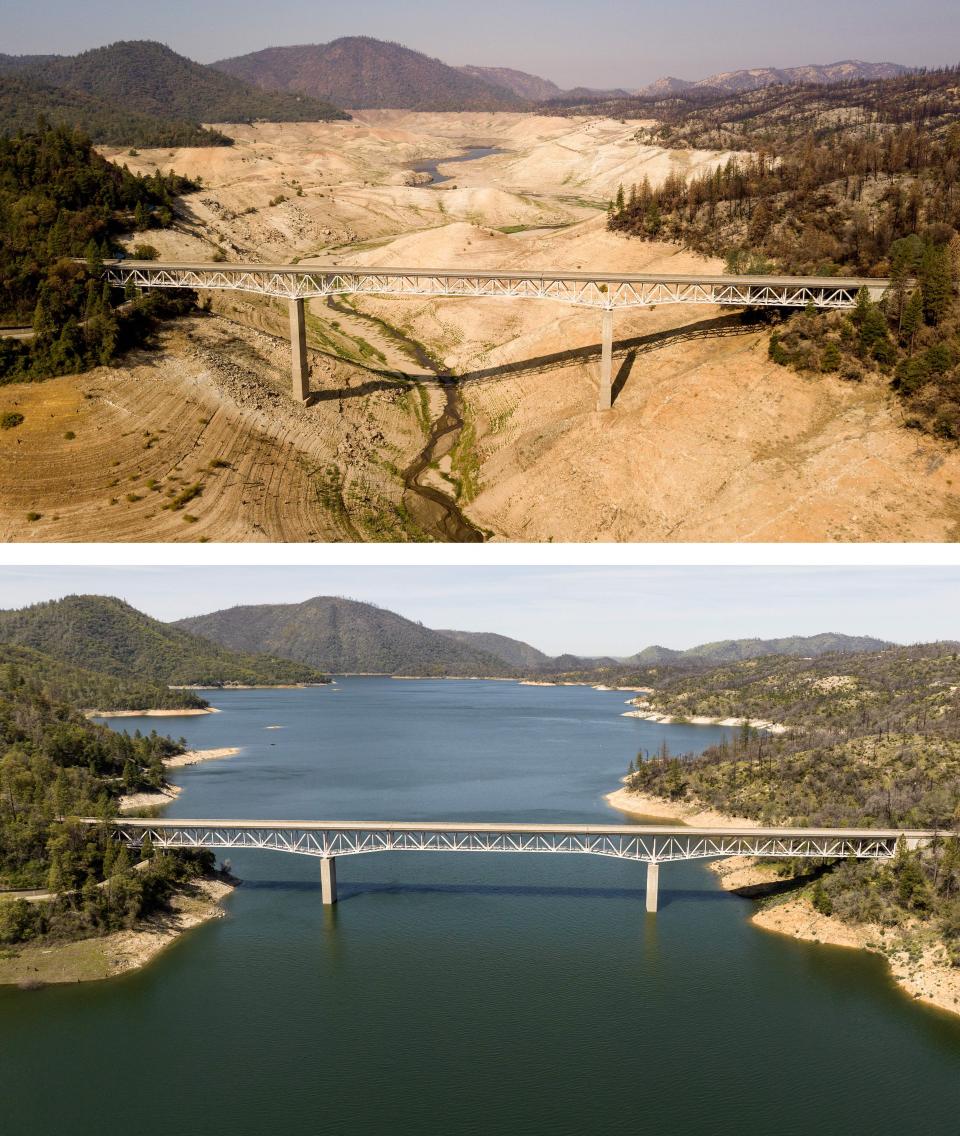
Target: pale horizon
{"x":620,"y":46}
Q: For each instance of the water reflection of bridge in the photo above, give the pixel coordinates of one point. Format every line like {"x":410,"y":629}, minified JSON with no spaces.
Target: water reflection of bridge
{"x":649,"y":844}
{"x":605,"y":291}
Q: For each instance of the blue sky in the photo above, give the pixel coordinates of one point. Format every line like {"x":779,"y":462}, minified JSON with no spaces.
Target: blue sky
{"x":602,"y":43}
{"x":585,"y":610}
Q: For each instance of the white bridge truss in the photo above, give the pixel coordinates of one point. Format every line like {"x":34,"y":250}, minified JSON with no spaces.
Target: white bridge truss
{"x":648,"y":844}
{"x":604,"y":291}
{"x":595,"y":290}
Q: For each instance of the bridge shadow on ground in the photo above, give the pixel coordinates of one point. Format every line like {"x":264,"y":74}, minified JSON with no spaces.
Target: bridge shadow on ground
{"x":741,"y":323}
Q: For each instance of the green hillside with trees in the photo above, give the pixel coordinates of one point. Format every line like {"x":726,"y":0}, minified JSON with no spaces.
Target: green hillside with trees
{"x":87,"y":689}
{"x":142,"y":90}
{"x":58,"y":200}
{"x":54,"y":764}
{"x":851,"y":178}
{"x":874,"y":741}
{"x":24,"y":101}
{"x":111,"y":637}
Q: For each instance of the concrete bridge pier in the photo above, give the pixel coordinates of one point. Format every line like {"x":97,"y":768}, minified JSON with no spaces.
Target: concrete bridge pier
{"x":299,"y":364}
{"x":653,"y":885}
{"x":605,"y":397}
{"x":328,"y":880}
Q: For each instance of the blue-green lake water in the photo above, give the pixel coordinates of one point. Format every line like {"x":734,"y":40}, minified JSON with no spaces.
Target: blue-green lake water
{"x":455,"y":993}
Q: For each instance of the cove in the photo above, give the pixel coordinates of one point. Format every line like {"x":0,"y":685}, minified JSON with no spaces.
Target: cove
{"x":467,"y":994}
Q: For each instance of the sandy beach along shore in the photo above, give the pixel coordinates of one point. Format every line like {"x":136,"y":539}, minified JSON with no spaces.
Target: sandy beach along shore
{"x":156,"y":798}
{"x":188,"y":712}
{"x":89,"y":960}
{"x":701,"y":720}
{"x":918,"y":962}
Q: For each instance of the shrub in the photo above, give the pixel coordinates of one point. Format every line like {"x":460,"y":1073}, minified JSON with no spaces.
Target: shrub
{"x":9,"y":419}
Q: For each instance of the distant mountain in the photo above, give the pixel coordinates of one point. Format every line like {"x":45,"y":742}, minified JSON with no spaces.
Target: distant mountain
{"x":86,"y":689}
{"x":347,"y":636}
{"x":144,"y":77}
{"x":514,"y":652}
{"x":669,"y":85}
{"x":361,"y":72}
{"x":754,"y":78}
{"x":736,"y":650}
{"x":103,"y":634}
{"x":521,"y":83}
{"x":344,"y":636}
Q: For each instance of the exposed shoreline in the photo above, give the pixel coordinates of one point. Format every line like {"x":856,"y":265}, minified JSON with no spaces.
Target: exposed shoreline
{"x":927,"y":978}
{"x":94,"y":959}
{"x":187,"y":712}
{"x":130,"y":802}
{"x":702,"y":720}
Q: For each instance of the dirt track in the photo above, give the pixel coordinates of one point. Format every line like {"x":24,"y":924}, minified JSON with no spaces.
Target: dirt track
{"x":707,"y":440}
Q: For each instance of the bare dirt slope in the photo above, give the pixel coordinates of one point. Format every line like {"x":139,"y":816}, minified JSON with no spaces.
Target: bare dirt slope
{"x":455,"y":419}
{"x":194,"y":442}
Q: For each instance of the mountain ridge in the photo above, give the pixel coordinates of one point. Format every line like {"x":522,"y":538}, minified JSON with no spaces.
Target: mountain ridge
{"x":753,"y":78}
{"x":108,"y":636}
{"x":361,"y":72}
{"x":146,"y":78}
{"x":348,"y":636}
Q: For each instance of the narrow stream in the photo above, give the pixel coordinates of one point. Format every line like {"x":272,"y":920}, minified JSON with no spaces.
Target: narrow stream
{"x":434,"y":510}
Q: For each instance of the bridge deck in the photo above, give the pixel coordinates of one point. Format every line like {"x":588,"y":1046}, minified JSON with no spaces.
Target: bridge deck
{"x":532,"y":829}
{"x":305,"y":268}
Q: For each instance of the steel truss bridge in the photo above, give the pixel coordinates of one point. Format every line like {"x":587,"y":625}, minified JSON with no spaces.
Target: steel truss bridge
{"x":649,"y":844}
{"x":603,"y":291}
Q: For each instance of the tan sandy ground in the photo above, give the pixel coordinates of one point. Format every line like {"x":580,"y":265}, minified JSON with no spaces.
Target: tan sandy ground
{"x":645,"y":806}
{"x":205,"y":410}
{"x":92,"y":959}
{"x":918,"y":965}
{"x":704,"y":720}
{"x":707,"y":441}
{"x":149,"y":713}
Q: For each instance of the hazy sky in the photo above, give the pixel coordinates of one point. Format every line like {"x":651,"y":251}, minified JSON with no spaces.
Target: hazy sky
{"x":591,"y":611}
{"x":601,"y":43}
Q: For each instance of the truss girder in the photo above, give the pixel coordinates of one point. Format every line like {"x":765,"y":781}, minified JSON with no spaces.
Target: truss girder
{"x":632,"y":845}
{"x":304,"y":283}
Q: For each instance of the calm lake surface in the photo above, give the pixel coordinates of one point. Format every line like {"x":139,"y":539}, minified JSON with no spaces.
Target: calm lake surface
{"x":430,"y":165}
{"x":466,"y":993}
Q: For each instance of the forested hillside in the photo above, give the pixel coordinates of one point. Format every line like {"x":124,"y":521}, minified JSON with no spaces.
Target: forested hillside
{"x":855,"y":178}
{"x":874,"y":741}
{"x":59,"y":199}
{"x":134,"y":80}
{"x":55,"y":765}
{"x":359,"y":72}
{"x":344,"y":635}
{"x":880,"y":690}
{"x":109,"y":636}
{"x":87,"y":689}
{"x":25,"y":101}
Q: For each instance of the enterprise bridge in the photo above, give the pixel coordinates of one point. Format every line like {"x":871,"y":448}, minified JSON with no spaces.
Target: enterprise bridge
{"x":605,"y":291}
{"x":649,"y":844}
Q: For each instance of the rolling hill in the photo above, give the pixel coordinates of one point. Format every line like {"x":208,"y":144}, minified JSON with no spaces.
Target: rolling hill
{"x":344,"y":636}
{"x":140,"y":77}
{"x":361,"y":72}
{"x":521,"y":83}
{"x":753,"y":78}
{"x":737,"y":650}
{"x":24,"y":100}
{"x":86,"y":689}
{"x":347,"y":636}
{"x":100,"y":633}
